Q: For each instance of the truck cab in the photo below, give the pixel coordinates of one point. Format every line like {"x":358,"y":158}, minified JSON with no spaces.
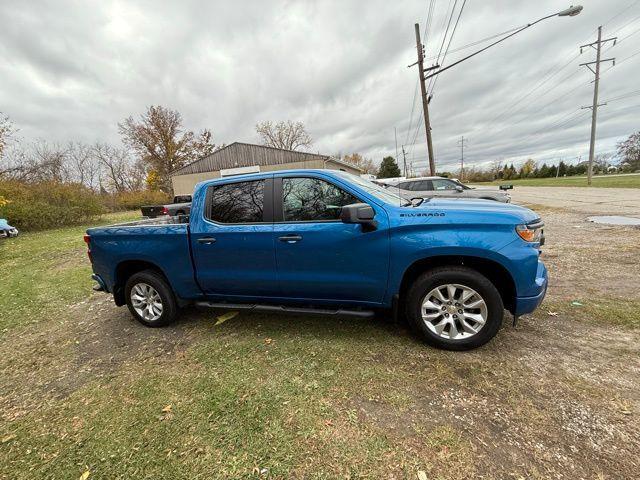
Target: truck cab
{"x":329,"y":242}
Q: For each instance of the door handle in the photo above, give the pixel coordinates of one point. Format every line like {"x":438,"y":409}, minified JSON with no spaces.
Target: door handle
{"x":290,"y":238}
{"x":207,"y":240}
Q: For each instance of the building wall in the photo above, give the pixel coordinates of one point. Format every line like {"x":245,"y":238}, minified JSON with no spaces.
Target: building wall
{"x":184,"y":184}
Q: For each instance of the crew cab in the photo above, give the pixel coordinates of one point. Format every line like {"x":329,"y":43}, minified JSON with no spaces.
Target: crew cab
{"x":323,"y":241}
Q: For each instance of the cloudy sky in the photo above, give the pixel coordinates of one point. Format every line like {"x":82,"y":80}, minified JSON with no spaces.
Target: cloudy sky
{"x":73,"y":70}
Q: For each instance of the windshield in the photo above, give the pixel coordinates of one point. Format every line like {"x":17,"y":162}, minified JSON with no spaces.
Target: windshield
{"x":376,"y":190}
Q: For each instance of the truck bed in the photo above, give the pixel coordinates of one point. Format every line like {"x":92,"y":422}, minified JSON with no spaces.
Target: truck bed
{"x":147,"y":222}
{"x":162,"y":241}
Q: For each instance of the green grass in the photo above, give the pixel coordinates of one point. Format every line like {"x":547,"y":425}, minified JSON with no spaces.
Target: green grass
{"x":44,"y":271}
{"x":603,"y":181}
{"x":258,"y":396}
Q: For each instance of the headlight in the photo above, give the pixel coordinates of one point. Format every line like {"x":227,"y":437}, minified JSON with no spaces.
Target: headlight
{"x":531,"y":232}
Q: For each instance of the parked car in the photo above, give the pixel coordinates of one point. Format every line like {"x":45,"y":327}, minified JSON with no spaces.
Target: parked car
{"x":181,"y":205}
{"x":427,"y":187}
{"x":7,"y":230}
{"x":323,"y":241}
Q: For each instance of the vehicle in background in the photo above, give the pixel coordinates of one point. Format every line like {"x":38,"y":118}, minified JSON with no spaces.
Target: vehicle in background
{"x":323,"y":241}
{"x":427,"y":187}
{"x":7,"y":230}
{"x":181,"y":205}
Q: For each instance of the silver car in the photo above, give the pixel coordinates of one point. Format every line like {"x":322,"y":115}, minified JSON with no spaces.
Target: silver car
{"x":427,"y":187}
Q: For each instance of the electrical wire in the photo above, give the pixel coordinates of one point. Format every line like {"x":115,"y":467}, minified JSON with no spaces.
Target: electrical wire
{"x":453,"y":32}
{"x":444,"y":37}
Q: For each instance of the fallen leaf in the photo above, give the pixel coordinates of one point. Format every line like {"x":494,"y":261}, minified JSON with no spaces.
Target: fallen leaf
{"x":85,"y":475}
{"x":552,"y":314}
{"x":8,"y":438}
{"x":576,"y":304}
{"x":167,"y":409}
{"x":268,"y":341}
{"x":422,"y":475}
{"x":328,"y":423}
{"x":225,"y":317}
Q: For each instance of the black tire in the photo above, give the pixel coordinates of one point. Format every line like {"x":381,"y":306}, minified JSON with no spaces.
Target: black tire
{"x":468,"y":277}
{"x":160,"y":285}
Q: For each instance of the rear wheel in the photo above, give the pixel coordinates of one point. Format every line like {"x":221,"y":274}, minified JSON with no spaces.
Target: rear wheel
{"x":455,"y":308}
{"x":150,"y":299}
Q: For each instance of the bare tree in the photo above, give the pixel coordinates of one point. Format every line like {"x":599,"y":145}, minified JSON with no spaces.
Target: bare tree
{"x":120,"y":173}
{"x":83,"y":164}
{"x":495,"y":168}
{"x":286,"y":135}
{"x":6,"y":131}
{"x":161,"y":142}
{"x":39,"y":161}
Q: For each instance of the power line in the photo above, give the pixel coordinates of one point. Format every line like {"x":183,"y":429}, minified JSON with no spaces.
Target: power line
{"x":478,"y":42}
{"x":453,"y":32}
{"x":444,"y":37}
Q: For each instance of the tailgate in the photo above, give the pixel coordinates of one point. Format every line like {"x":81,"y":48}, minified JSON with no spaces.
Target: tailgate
{"x":152,"y":211}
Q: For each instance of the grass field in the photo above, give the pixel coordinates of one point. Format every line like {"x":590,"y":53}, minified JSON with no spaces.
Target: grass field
{"x":85,"y":390}
{"x":602,"y":181}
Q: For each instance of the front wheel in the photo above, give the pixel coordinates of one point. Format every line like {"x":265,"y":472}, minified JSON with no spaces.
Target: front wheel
{"x":150,"y":299}
{"x":454,"y":308}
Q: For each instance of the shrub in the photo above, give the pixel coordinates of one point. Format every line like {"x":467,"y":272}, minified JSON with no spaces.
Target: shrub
{"x":135,"y":200}
{"x":37,"y":206}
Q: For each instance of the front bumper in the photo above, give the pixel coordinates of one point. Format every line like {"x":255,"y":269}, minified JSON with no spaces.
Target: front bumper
{"x":526,"y":305}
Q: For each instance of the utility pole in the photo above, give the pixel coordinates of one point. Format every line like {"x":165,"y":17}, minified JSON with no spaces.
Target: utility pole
{"x":395,"y":132}
{"x":597,"y":45}
{"x":425,"y":100}
{"x":404,"y":157}
{"x":462,"y":143}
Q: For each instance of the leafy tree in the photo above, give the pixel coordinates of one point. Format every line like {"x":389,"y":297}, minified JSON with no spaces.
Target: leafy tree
{"x":161,"y":142}
{"x":629,"y":151}
{"x":366,"y":164}
{"x":286,"y":135}
{"x":388,"y":168}
{"x":562,"y":169}
{"x":527,"y":168}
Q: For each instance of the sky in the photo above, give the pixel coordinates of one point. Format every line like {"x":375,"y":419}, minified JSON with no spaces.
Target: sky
{"x":71,"y":70}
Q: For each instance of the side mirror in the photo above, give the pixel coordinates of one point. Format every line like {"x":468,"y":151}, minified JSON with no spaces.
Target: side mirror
{"x":359,"y":213}
{"x":459,"y":189}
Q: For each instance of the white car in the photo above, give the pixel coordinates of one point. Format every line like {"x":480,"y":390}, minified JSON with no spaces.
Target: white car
{"x":427,"y":187}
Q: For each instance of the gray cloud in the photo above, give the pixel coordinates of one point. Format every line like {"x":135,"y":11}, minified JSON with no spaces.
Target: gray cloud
{"x":73,"y":70}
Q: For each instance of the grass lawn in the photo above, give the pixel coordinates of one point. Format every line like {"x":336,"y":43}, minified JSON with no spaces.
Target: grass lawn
{"x":85,"y":390}
{"x":603,"y":181}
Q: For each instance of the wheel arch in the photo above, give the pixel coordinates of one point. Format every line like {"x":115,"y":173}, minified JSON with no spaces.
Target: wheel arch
{"x":493,"y":270}
{"x":123,"y":272}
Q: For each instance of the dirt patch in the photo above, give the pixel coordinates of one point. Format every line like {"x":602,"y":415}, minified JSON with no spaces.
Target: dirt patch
{"x":93,"y":340}
{"x":540,"y":401}
{"x":590,"y":261}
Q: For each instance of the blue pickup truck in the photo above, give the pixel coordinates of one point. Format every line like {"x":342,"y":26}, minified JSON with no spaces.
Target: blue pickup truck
{"x":323,"y":241}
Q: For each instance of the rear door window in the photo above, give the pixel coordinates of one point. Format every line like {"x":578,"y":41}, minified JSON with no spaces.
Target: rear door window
{"x":443,"y":184}
{"x":241,"y":202}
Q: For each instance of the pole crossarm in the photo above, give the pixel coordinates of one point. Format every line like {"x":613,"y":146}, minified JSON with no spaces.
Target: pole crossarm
{"x":594,"y":44}
{"x":591,"y":106}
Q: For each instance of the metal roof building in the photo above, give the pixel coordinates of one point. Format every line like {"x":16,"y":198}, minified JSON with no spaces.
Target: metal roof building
{"x":238,"y":158}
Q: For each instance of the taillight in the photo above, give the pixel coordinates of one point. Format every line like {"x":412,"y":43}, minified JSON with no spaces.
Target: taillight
{"x":87,"y":240}
{"x":165,"y":211}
